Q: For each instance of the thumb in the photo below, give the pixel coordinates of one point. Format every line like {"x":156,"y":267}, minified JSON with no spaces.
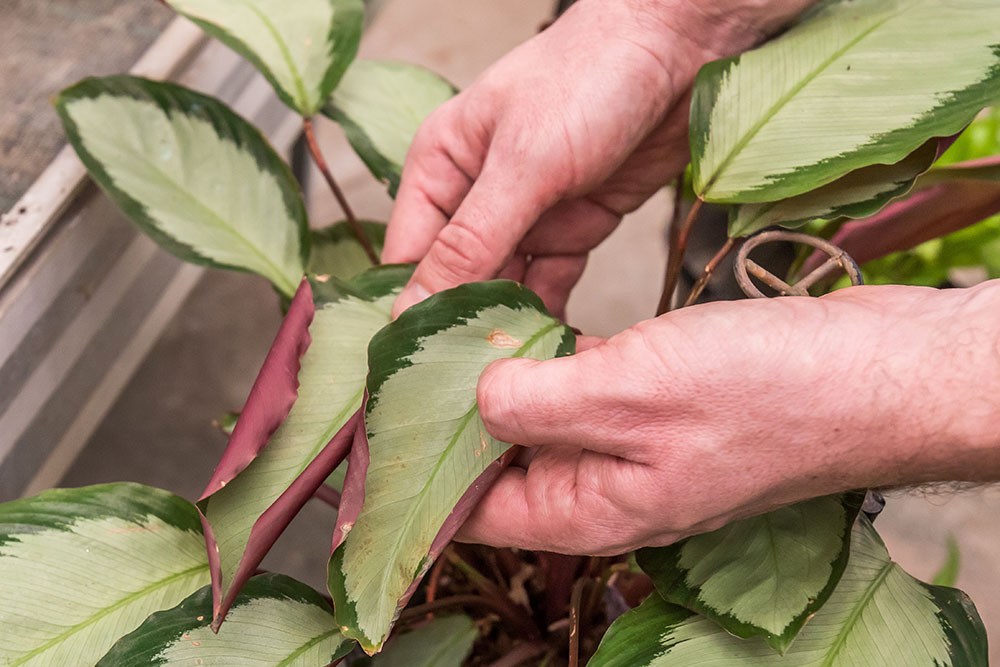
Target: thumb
{"x":564,"y":401}
{"x":484,"y":232}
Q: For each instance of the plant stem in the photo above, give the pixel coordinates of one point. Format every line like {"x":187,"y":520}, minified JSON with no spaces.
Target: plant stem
{"x":679,"y":235}
{"x":518,"y":621}
{"x":574,"y":622}
{"x":513,"y":611}
{"x":520,"y":654}
{"x":328,"y":495}
{"x":432,"y":583}
{"x":713,"y":264}
{"x":352,"y":221}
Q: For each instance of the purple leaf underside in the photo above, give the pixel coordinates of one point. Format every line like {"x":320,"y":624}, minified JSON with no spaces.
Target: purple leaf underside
{"x":929,"y":213}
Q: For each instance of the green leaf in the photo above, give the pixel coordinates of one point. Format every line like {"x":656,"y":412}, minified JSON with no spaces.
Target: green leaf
{"x":857,"y":195}
{"x":981,"y":139}
{"x":337,"y":253}
{"x":423,"y":370}
{"x":302,"y":48}
{"x":380,"y":105}
{"x":763,"y":576}
{"x":948,"y":573}
{"x":200,"y":180}
{"x":227,"y":422}
{"x":81,"y":567}
{"x":878,"y":615}
{"x":856,"y":83}
{"x":331,"y":383}
{"x":444,"y":642}
{"x":274,"y":621}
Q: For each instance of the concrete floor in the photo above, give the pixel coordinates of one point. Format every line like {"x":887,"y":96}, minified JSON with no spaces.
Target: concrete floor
{"x":160,"y":430}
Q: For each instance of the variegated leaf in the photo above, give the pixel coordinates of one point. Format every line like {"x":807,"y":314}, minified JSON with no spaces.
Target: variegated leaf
{"x":200,"y":180}
{"x":302,"y":47}
{"x":858,"y":194}
{"x":337,"y":253}
{"x":81,"y":567}
{"x":274,"y":621}
{"x":763,"y":576}
{"x":246,"y":511}
{"x":444,"y":642}
{"x":380,"y":105}
{"x":981,"y":139}
{"x":855,"y":83}
{"x":426,"y":440}
{"x":941,"y":209}
{"x":877,"y":615}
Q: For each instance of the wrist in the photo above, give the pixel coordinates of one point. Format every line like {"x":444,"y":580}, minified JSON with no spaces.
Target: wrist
{"x":725,"y":27}
{"x":923,"y":386}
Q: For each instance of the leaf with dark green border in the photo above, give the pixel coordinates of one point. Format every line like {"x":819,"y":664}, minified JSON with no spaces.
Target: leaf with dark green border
{"x":198,"y":179}
{"x":947,"y":201}
{"x":306,"y":400}
{"x":763,"y":576}
{"x":444,"y":642}
{"x":423,"y":371}
{"x":854,"y":84}
{"x":877,"y":615}
{"x":81,"y":567}
{"x":858,"y":194}
{"x":380,"y":105}
{"x":337,"y":253}
{"x":275,"y":620}
{"x":301,"y":48}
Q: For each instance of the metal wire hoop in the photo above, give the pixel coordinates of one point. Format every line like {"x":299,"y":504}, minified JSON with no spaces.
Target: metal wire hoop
{"x":745,"y":267}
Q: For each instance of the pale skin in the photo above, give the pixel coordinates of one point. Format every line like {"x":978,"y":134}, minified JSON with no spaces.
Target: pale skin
{"x":683,"y":423}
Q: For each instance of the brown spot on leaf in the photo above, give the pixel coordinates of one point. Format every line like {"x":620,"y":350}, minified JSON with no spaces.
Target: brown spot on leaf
{"x":502,"y":339}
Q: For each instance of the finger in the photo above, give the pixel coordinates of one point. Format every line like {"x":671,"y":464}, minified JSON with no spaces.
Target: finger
{"x":566,"y":502}
{"x":554,"y":402}
{"x":482,"y":235}
{"x":437,"y":176}
{"x":552,"y":278}
{"x":571,"y":227}
{"x":584,"y":343}
{"x":515,"y":268}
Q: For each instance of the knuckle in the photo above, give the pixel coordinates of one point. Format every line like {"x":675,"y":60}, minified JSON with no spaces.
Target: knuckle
{"x":496,"y":398}
{"x":461,"y":253}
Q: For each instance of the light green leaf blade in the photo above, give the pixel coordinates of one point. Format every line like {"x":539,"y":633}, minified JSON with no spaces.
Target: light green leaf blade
{"x":763,"y":576}
{"x":444,"y":642}
{"x":380,"y":105}
{"x":197,"y":178}
{"x":948,"y":574}
{"x":878,"y":615}
{"x":301,"y":47}
{"x":331,"y":385}
{"x":856,"y":83}
{"x":857,"y":195}
{"x":274,"y":621}
{"x":337,"y":253}
{"x":81,"y":567}
{"x":427,"y":442}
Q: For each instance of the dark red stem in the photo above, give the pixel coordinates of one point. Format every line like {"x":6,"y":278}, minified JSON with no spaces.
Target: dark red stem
{"x":352,"y":221}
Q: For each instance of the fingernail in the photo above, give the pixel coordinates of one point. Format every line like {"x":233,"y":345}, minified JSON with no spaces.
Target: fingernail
{"x":413,"y":294}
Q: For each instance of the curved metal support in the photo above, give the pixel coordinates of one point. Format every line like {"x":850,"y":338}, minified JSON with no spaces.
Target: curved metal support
{"x":745,"y":267}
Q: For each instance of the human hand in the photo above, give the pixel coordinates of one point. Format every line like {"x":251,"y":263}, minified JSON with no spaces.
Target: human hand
{"x":523,"y":173}
{"x":717,"y":412}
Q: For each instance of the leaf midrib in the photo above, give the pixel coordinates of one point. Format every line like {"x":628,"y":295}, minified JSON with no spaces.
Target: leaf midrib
{"x":855,"y":614}
{"x":73,"y":629}
{"x":286,"y":55}
{"x":784,"y":99}
{"x":305,"y":647}
{"x":287,"y":287}
{"x":422,"y":493}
